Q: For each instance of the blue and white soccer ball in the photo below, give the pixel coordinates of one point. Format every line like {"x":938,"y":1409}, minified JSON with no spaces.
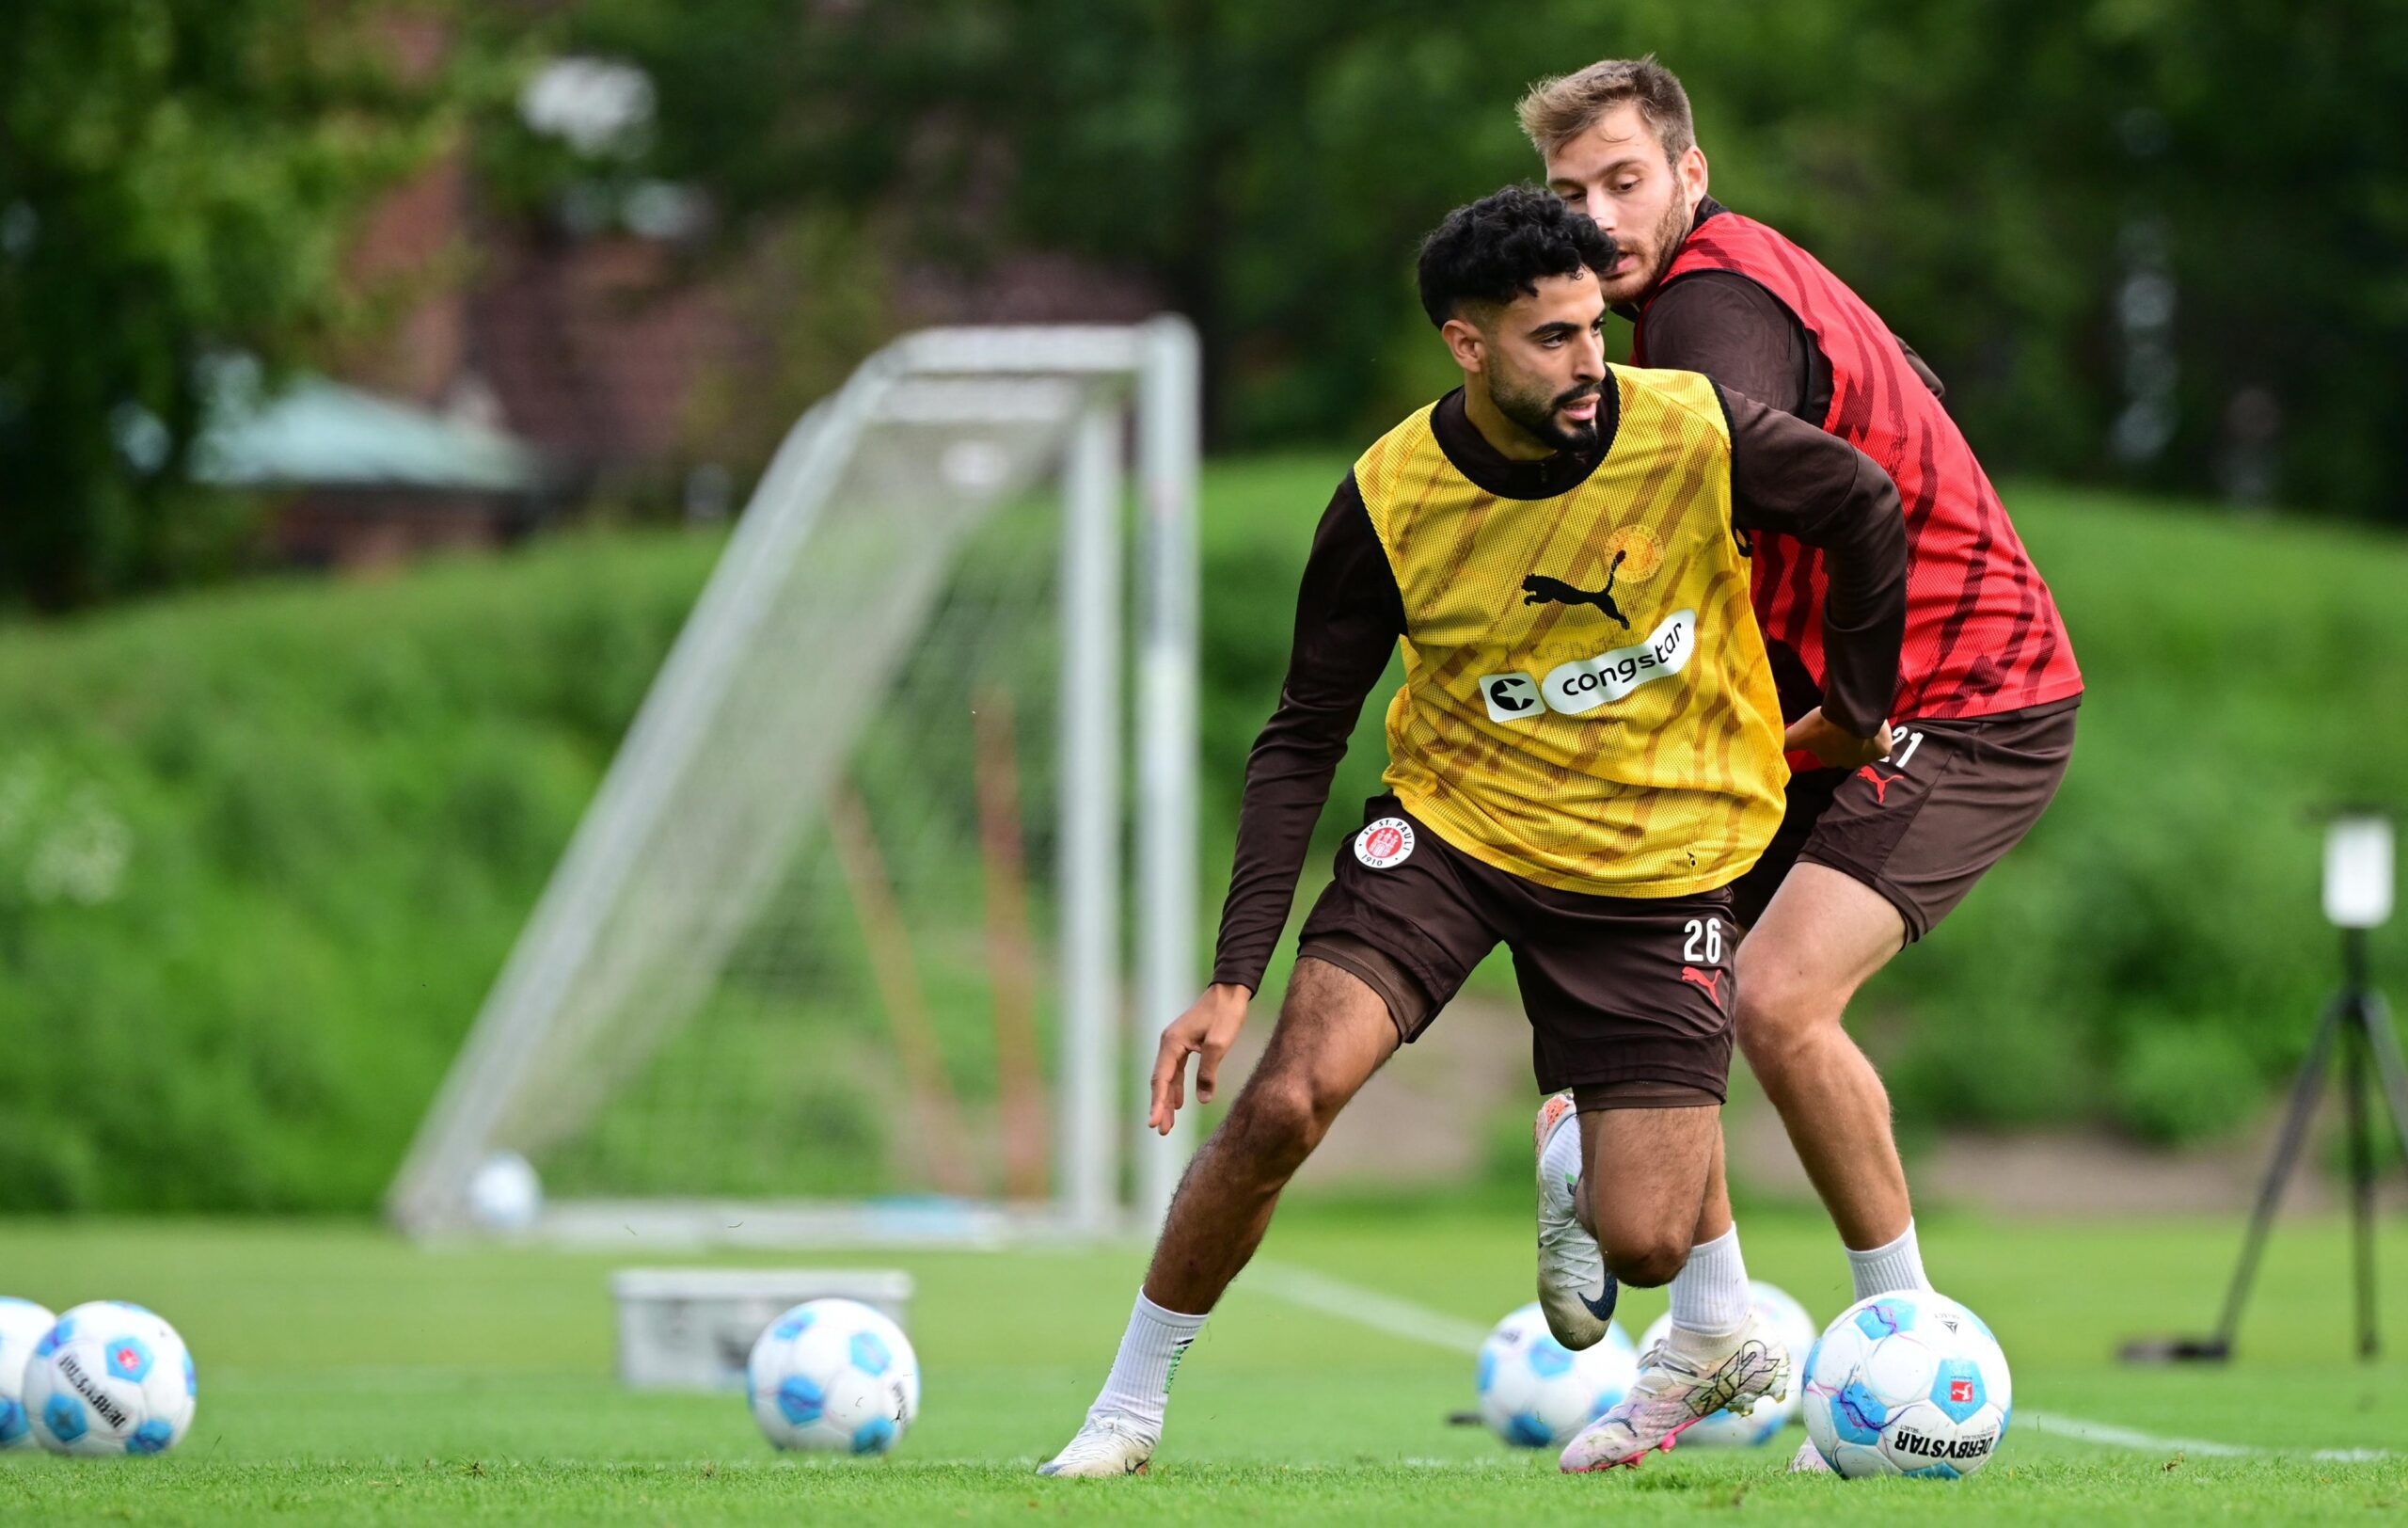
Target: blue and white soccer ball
{"x":1908,"y":1384}
{"x":110,"y":1379}
{"x":833,"y":1375}
{"x":22,"y":1325}
{"x":1535,"y":1393}
{"x":1760,"y":1426}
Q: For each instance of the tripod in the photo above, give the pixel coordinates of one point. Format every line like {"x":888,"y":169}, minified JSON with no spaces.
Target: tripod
{"x":2358,"y":1023}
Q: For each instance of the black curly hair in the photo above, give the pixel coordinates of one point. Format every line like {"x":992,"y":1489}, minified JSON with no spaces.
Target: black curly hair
{"x":1498,"y":247}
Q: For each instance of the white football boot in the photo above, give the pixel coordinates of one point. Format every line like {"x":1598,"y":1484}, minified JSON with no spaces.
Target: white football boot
{"x":1683,"y":1380}
{"x":1575,"y":1290}
{"x":1106,"y":1445}
{"x":1808,"y":1460}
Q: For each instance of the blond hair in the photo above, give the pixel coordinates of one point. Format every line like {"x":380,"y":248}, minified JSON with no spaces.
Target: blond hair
{"x":1555,"y":111}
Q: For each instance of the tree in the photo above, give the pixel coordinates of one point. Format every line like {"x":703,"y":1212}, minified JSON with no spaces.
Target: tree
{"x":178,"y":179}
{"x":2140,"y":241}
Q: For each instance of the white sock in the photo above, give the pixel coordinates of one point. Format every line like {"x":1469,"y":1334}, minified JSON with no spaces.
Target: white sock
{"x":1890,"y":1268}
{"x":1710,"y":1292}
{"x":1150,"y":1349}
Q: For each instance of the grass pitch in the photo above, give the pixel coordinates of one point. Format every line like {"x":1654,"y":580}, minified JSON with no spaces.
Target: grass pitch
{"x":346,"y":1377}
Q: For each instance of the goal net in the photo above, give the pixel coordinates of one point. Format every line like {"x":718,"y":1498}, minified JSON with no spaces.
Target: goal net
{"x":837,"y":952}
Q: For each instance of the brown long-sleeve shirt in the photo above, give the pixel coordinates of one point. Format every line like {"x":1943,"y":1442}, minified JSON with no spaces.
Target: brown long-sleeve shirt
{"x":1786,"y":476}
{"x":1738,"y":333}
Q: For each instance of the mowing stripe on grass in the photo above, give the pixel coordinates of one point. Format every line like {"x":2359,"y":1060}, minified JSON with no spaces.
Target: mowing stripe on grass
{"x":1419,"y":1324}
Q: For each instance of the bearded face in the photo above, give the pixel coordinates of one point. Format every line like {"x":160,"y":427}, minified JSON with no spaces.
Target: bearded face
{"x":1566,"y":420}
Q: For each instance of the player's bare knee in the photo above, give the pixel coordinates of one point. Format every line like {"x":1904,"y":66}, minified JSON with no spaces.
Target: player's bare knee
{"x":1276,"y":1121}
{"x":1647,"y":1261}
{"x":1780,"y":1008}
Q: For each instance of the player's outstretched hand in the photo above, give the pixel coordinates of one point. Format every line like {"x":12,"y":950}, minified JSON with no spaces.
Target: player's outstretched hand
{"x":1205,"y":1031}
{"x":1837,"y":747}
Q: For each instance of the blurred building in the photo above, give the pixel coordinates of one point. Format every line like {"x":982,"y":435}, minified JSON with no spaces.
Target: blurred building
{"x":609,"y":347}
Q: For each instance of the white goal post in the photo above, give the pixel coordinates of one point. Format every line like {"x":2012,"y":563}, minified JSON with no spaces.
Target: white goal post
{"x":785,"y":846}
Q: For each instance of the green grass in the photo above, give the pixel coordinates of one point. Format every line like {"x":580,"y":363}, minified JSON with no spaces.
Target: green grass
{"x":348,"y":1378}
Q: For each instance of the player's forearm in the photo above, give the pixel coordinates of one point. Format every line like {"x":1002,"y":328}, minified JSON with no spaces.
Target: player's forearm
{"x":1287,"y":784}
{"x":1349,"y":615}
{"x":1790,"y":478}
{"x":1865,"y":612}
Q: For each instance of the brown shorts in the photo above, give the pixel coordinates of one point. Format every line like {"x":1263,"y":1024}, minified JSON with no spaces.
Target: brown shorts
{"x":1628,"y":997}
{"x":1922,"y":825}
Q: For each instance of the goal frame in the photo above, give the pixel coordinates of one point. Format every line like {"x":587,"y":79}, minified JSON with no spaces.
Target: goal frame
{"x":1110,"y":377}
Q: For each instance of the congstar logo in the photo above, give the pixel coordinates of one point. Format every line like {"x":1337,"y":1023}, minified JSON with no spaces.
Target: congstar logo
{"x":1584,"y":684}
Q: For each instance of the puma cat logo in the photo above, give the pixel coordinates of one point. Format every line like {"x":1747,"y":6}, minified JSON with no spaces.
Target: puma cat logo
{"x":1538,"y":588}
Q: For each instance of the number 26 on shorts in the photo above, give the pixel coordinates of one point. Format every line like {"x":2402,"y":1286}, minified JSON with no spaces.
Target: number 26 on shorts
{"x":1704,"y":945}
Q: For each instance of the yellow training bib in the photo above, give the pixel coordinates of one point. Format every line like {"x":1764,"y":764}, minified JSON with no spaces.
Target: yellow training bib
{"x":1586,"y":700}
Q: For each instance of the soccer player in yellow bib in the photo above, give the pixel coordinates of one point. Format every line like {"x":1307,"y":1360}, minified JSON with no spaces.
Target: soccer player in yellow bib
{"x":1586,"y":753}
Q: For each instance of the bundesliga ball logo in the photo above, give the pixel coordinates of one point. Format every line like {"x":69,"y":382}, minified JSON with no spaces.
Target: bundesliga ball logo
{"x":1385,"y":842}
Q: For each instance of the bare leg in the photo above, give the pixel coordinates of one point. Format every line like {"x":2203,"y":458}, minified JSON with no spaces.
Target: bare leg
{"x":1652,"y":1183}
{"x":1334,"y":1032}
{"x":1713,"y":1216}
{"x":1653,"y":1175}
{"x":1822,"y":935}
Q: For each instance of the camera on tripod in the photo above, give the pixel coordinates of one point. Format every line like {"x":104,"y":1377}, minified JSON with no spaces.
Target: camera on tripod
{"x":2358,"y":855}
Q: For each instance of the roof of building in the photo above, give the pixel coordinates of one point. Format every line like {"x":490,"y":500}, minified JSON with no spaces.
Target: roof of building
{"x":317,"y":433}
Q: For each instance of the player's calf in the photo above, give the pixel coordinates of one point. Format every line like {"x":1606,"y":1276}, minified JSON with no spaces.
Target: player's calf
{"x":1333,"y":1034}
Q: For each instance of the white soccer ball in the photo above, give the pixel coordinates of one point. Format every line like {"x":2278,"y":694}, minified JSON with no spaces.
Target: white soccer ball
{"x":1908,"y":1384}
{"x":833,"y":1375}
{"x":22,"y":1325}
{"x":1535,"y":1393}
{"x":110,"y":1379}
{"x":505,"y":1195}
{"x":1725,"y":1429}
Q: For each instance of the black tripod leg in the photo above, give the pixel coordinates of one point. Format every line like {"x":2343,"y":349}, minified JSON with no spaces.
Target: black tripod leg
{"x":2374,"y":1020}
{"x":2270,"y":1193}
{"x":2353,"y":1102}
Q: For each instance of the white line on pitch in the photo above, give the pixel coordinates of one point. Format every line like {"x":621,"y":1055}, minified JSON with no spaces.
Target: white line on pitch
{"x":2111,"y":1436}
{"x":1419,"y":1324}
{"x":1364,"y":1307}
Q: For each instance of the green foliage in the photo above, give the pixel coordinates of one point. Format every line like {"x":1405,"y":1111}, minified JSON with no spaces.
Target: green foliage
{"x":262,"y":852}
{"x":178,"y":180}
{"x":1993,"y":176}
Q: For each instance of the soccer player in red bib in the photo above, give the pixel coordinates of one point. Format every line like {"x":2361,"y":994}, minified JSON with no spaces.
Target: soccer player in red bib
{"x":1868,"y":859}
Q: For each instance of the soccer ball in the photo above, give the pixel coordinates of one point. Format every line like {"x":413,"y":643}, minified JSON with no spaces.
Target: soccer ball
{"x":1908,"y":1384}
{"x":506,"y":1196}
{"x":833,"y":1375}
{"x":1725,"y":1429}
{"x":1535,"y":1393}
{"x":22,"y":1325}
{"x":110,"y":1377}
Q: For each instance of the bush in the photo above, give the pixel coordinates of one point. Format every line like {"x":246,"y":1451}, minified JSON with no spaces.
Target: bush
{"x":262,"y":852}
